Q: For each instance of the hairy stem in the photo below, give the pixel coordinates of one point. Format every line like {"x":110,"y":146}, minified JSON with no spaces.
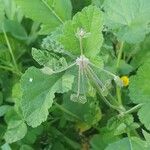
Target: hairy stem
{"x":95,"y":83}
{"x":118,"y":93}
{"x":133,"y":109}
{"x":118,"y":89}
{"x":119,"y":55}
{"x":81,"y":47}
{"x":79,"y":80}
{"x":103,"y":86}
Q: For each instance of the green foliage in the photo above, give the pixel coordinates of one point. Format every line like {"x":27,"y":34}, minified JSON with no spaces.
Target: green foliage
{"x":127,"y":144}
{"x":55,"y":12}
{"x":74,"y":74}
{"x":16,"y":130}
{"x":15,"y":29}
{"x":85,"y":112}
{"x":100,"y":141}
{"x":91,"y":20}
{"x":1,"y":11}
{"x":142,"y":54}
{"x":144,"y":118}
{"x":35,"y":105}
{"x":4,"y":109}
{"x":128,"y":19}
{"x":139,"y":86}
{"x":141,"y":81}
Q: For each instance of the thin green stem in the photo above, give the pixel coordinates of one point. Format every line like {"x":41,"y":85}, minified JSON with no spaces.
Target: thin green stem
{"x":102,"y":85}
{"x":119,"y":55}
{"x":133,"y":109}
{"x":6,"y":68}
{"x":130,"y":142}
{"x":10,"y":69}
{"x":118,"y":92}
{"x":81,"y":47}
{"x":69,"y":141}
{"x":95,"y":82}
{"x":66,"y":111}
{"x":10,"y":50}
{"x":106,"y":71}
{"x":79,"y":80}
{"x":118,"y":89}
{"x":45,"y":3}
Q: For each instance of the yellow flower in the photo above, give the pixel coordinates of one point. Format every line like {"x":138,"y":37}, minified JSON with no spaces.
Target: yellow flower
{"x":125,"y":80}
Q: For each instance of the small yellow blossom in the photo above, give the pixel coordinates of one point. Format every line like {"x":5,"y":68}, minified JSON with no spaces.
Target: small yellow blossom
{"x":125,"y":80}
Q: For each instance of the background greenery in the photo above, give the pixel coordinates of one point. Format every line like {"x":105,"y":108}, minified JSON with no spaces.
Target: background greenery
{"x":41,"y":34}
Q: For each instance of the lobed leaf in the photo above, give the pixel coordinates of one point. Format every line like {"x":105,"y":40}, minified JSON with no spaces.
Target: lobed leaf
{"x":39,"y":91}
{"x":16,"y":130}
{"x":128,"y":18}
{"x":139,"y":85}
{"x":144,"y":115}
{"x":91,"y":20}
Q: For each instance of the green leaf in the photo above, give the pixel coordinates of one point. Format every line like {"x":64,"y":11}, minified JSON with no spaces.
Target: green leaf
{"x":139,"y":85}
{"x":143,"y":53}
{"x":1,"y":98}
{"x":128,"y":18}
{"x":50,"y":43}
{"x":144,"y":115}
{"x":57,"y":145}
{"x":48,"y":12}
{"x":122,"y":124}
{"x":43,"y":57}
{"x":25,"y":147}
{"x":48,"y":59}
{"x":16,"y":29}
{"x":42,"y":88}
{"x":90,"y":19}
{"x":79,"y":5}
{"x":2,"y":130}
{"x":88,"y":113}
{"x":146,"y":136}
{"x":125,"y":68}
{"x":1,"y":11}
{"x":98,"y":3}
{"x":128,"y":144}
{"x":12,"y":12}
{"x":6,"y":147}
{"x":100,"y":141}
{"x":16,"y":130}
{"x":4,"y":109}
{"x":32,"y":135}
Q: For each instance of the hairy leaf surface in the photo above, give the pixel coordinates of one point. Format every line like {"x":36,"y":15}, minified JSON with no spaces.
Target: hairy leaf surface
{"x":39,"y":91}
{"x":89,"y":19}
{"x":139,"y":85}
{"x":128,"y":18}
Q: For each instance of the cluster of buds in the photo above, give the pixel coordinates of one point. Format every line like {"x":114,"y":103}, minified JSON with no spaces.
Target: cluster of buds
{"x":81,"y":33}
{"x":82,"y":62}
